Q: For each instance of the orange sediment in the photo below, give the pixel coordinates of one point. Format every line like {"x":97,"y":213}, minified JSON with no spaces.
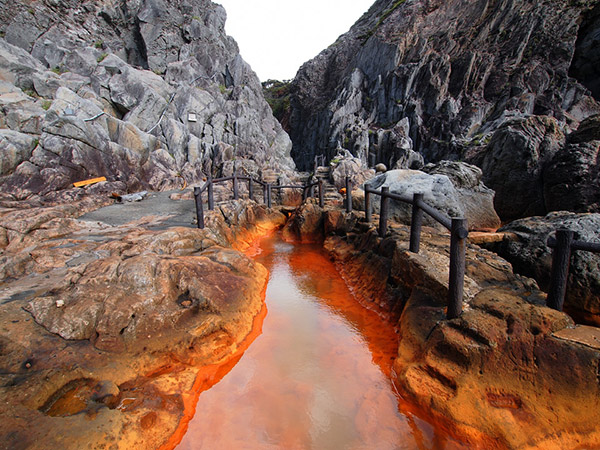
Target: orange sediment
{"x":210,"y":375}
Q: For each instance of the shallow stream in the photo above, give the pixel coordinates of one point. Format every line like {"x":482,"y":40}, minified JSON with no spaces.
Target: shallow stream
{"x":318,"y":377}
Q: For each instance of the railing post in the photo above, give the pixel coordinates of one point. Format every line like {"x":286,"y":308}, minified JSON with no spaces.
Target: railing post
{"x":560,"y":269}
{"x":321,"y":195}
{"x":458,"y":245}
{"x":348,"y":195}
{"x":384,"y":211}
{"x":235,"y":186}
{"x":199,"y":208}
{"x":416,"y":223}
{"x":210,"y":193}
{"x":368,"y":212}
{"x":265,"y":193}
{"x":250,"y":188}
{"x":311,"y":192}
{"x":268,"y":195}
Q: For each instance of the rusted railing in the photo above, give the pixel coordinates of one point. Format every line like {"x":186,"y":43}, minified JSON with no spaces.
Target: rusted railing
{"x":307,"y":191}
{"x":563,"y":244}
{"x":458,"y":234}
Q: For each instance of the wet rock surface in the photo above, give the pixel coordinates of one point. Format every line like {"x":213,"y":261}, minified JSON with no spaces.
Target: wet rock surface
{"x":105,"y":327}
{"x":508,"y":373}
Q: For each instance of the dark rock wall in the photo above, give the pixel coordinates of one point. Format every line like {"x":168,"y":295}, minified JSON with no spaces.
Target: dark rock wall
{"x":457,"y":72}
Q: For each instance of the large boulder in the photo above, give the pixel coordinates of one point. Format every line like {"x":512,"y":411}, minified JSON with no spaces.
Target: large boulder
{"x":306,"y":224}
{"x":468,"y":198}
{"x":346,"y":165}
{"x":531,"y":256}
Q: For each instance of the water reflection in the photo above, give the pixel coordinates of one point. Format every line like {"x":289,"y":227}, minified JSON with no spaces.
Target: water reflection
{"x":319,"y":375}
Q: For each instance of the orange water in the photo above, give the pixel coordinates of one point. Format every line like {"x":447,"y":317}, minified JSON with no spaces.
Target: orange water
{"x":318,"y":377}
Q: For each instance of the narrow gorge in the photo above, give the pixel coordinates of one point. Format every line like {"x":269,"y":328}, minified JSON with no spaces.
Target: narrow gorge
{"x":367,"y":255}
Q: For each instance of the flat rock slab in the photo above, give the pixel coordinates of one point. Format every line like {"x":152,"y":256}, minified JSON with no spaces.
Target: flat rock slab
{"x":581,"y":334}
{"x":176,"y":212}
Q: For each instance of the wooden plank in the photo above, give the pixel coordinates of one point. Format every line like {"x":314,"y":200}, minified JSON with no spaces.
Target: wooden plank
{"x":90,"y":181}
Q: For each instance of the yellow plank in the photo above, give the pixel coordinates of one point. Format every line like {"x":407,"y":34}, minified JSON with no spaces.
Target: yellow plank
{"x":88,"y":182}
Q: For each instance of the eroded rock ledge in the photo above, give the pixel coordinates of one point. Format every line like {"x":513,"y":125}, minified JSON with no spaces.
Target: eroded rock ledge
{"x":114,"y":323}
{"x":508,"y":373}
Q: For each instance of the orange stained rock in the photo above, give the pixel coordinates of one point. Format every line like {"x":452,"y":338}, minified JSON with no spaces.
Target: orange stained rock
{"x":207,"y":377}
{"x":317,"y":377}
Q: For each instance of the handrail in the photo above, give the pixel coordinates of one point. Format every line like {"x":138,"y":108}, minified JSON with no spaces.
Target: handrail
{"x":308,"y":190}
{"x":458,"y":233}
{"x":562,"y":246}
{"x":439,"y":217}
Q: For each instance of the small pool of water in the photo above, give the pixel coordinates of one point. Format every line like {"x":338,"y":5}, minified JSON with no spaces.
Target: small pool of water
{"x":318,"y":377}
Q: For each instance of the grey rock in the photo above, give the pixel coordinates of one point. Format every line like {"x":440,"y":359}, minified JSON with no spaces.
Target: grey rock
{"x":513,"y":162}
{"x":443,"y":78}
{"x":437,"y":189}
{"x":15,"y":148}
{"x":345,"y":165}
{"x":460,"y":200}
{"x":531,"y":256}
{"x":149,"y":94}
{"x":476,"y":199}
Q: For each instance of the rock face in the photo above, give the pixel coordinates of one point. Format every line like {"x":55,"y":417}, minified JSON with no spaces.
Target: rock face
{"x":105,"y":329}
{"x":505,"y":374}
{"x":531,"y":256}
{"x":498,"y":84}
{"x":145,"y":93}
{"x":572,"y":179}
{"x":452,"y":188}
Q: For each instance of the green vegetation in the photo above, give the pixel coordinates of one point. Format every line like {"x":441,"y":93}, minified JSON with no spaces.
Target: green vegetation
{"x":101,"y":57}
{"x":222,"y":88}
{"x":30,"y":92}
{"x":2,"y":33}
{"x":99,"y":43}
{"x":36,"y":142}
{"x":46,"y":104}
{"x":31,"y":11}
{"x":387,"y":13}
{"x":277,"y":93}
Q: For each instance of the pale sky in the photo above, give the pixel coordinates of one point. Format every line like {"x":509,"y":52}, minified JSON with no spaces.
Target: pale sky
{"x":277,"y":36}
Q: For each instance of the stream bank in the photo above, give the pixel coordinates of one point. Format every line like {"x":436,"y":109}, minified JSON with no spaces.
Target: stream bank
{"x":105,"y":328}
{"x":508,"y":373}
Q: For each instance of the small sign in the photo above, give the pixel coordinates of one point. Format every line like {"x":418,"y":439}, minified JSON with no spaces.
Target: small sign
{"x":192,"y":117}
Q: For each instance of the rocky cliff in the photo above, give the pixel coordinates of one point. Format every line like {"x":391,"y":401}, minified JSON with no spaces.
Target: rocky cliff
{"x":503,"y":84}
{"x":147,"y":93}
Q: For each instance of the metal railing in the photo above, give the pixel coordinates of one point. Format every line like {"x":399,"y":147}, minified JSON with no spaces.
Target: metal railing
{"x":562,"y":246}
{"x":457,"y":226}
{"x":308,"y":190}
